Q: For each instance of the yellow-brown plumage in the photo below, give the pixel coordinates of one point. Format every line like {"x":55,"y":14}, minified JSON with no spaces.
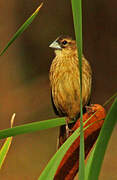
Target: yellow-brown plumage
{"x":65,"y":78}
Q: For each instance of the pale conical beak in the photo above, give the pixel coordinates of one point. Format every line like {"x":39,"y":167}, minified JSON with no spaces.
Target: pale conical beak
{"x":55,"y":45}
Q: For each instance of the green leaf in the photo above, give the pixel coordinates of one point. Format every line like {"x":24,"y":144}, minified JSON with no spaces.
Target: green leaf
{"x":110,"y":99}
{"x":32,"y":127}
{"x":4,"y":150}
{"x":95,"y":160}
{"x":50,"y":170}
{"x":22,"y":29}
{"x":77,"y":16}
{"x":6,"y":146}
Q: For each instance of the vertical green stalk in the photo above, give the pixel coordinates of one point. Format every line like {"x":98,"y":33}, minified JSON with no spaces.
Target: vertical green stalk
{"x":77,"y":17}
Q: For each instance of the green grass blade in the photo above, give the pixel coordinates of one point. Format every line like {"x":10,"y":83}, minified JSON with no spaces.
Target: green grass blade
{"x":95,"y":160}
{"x":4,"y":150}
{"x":77,"y":16}
{"x":50,"y":170}
{"x":21,"y":29}
{"x":6,"y":146}
{"x":32,"y":127}
{"x":110,"y":99}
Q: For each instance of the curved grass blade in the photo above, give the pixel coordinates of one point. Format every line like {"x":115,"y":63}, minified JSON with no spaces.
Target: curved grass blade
{"x":51,"y":168}
{"x":35,"y":126}
{"x":32,"y":127}
{"x":95,"y":160}
{"x":77,"y":16}
{"x":110,"y":99}
{"x":6,"y":145}
{"x":22,"y":29}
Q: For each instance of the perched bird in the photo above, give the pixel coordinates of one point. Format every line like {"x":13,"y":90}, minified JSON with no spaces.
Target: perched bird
{"x":65,"y":79}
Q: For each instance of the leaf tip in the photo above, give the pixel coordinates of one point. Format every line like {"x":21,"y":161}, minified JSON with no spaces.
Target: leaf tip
{"x":12,"y":119}
{"x":38,"y":9}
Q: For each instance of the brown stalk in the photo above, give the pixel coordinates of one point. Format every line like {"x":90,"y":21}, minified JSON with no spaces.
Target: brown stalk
{"x":69,"y":165}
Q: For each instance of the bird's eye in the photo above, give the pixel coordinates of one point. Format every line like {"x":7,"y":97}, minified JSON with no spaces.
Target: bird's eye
{"x":64,"y":42}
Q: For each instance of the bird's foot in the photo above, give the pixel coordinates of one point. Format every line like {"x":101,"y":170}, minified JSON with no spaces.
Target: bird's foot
{"x":68,"y":130}
{"x":89,"y":109}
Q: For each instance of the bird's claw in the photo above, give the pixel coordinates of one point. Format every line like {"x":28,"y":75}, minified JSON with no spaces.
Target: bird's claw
{"x":89,"y":109}
{"x":68,"y":131}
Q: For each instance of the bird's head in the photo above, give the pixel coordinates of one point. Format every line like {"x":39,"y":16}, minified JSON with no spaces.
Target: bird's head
{"x":63,"y":44}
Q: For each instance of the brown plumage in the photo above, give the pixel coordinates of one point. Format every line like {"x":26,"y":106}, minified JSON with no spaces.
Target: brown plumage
{"x":65,"y":78}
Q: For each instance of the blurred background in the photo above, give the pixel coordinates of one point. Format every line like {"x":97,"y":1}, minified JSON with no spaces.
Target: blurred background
{"x":24,"y":78}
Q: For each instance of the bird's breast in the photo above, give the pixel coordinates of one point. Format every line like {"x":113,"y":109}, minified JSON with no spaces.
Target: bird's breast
{"x":65,"y":84}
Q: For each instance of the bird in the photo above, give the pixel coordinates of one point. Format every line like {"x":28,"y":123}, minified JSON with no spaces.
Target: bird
{"x":64,"y":78}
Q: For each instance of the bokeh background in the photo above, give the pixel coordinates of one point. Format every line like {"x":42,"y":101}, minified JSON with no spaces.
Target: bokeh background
{"x":24,"y":82}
